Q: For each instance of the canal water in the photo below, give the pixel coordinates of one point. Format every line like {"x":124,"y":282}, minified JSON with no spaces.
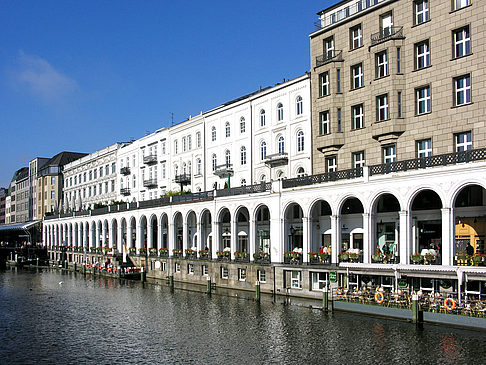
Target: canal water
{"x":65,"y":318}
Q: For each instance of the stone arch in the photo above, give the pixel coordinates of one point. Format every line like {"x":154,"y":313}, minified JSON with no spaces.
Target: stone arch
{"x":320,"y":215}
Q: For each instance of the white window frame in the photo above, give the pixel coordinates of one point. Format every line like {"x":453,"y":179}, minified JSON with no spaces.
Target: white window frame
{"x":242,"y":125}
{"x":389,"y":153}
{"x":421,"y":10}
{"x":424,"y":148}
{"x":358,"y":159}
{"x":325,"y":122}
{"x":243,"y":155}
{"x":324,"y":84}
{"x":300,"y":141}
{"x":299,"y":103}
{"x":227,"y":157}
{"x":381,"y":64}
{"x":357,"y":75}
{"x":422,"y":100}
{"x":198,"y":139}
{"x":190,"y":269}
{"x":357,"y":112}
{"x":262,"y":118}
{"x":261,"y":276}
{"x":280,"y":114}
{"x":317,"y":283}
{"x":242,"y":274}
{"x":213,"y":133}
{"x":263,"y":150}
{"x":214,"y":161}
{"x":463,"y":141}
{"x":331,"y":163}
{"x":204,"y":270}
{"x":296,"y":279}
{"x":281,"y":144}
{"x":224,"y":273}
{"x":329,"y":47}
{"x":462,"y":42}
{"x":356,"y":37}
{"x":462,"y":90}
{"x":227,"y":129}
{"x":459,"y":4}
{"x":422,"y":54}
{"x":382,"y":107}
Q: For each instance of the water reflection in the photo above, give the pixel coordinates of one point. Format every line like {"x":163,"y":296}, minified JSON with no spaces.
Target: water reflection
{"x":86,"y":320}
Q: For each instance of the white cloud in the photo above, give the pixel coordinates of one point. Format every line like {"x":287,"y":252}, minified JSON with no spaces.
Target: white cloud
{"x":41,"y":79}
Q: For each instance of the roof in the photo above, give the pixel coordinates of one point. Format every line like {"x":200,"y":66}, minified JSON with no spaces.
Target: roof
{"x":18,"y":226}
{"x":63,"y":158}
{"x":23,"y":173}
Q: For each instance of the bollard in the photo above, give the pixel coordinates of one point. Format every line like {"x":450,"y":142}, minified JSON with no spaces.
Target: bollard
{"x":417,"y":314}
{"x":257,"y":291}
{"x":94,"y":271}
{"x":74,"y":267}
{"x":118,"y":272}
{"x":171,"y":281}
{"x":325,"y":300}
{"x":142,"y":275}
{"x":84,"y":269}
{"x":37,"y":260}
{"x":208,"y":285}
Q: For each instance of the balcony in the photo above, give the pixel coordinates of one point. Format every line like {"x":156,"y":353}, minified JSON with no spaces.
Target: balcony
{"x":150,"y":183}
{"x":331,"y":142}
{"x":150,"y":159}
{"x":330,"y":56}
{"x":386,"y":34}
{"x":277,"y":159}
{"x":125,"y":191}
{"x":125,"y":171}
{"x":223,"y":170}
{"x":183,"y":179}
{"x":388,"y":130}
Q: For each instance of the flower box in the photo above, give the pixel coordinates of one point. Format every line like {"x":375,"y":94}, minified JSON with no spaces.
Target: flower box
{"x":163,"y":252}
{"x":152,"y":252}
{"x":204,"y":254}
{"x":177,"y":252}
{"x":293,"y":257}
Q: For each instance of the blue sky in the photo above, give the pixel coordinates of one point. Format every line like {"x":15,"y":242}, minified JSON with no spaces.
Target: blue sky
{"x":81,"y":75}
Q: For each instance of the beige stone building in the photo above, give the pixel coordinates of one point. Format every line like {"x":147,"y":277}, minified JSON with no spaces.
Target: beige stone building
{"x":394,"y":80}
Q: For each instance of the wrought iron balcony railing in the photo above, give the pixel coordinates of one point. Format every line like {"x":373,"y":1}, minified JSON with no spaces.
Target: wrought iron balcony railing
{"x":150,"y":159}
{"x":387,"y":34}
{"x":330,"y":56}
{"x":125,"y":191}
{"x":125,"y":171}
{"x":225,"y":169}
{"x":277,"y":159}
{"x":150,"y":183}
{"x":182,"y":179}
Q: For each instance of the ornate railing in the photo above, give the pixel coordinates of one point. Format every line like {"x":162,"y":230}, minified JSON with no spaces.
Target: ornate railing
{"x":386,"y":34}
{"x":150,"y":159}
{"x":192,"y":196}
{"x":125,"y":191}
{"x":183,"y":179}
{"x":160,"y":202}
{"x":321,"y":178}
{"x":431,"y":161}
{"x":99,"y":211}
{"x":334,"y":56}
{"x":150,"y":183}
{"x":125,"y":170}
{"x":248,"y":189}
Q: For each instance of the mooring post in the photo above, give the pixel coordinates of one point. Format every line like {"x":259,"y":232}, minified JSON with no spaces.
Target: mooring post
{"x":171,"y":281}
{"x":257,"y":291}
{"x":325,"y":300}
{"x":417,"y":314}
{"x":142,"y":275}
{"x":84,"y":269}
{"x":94,"y":270}
{"x":118,"y":272}
{"x":74,"y":267}
{"x":208,"y":285}
{"x":37,"y":262}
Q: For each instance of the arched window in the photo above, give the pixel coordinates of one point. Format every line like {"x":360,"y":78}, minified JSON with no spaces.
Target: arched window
{"x":227,"y":156}
{"x":300,"y":172}
{"x":134,"y":181}
{"x":280,"y":174}
{"x":227,"y":128}
{"x":281,"y":144}
{"x":176,"y":170}
{"x":299,"y":105}
{"x":243,"y":155}
{"x":279,"y":112}
{"x":263,"y":150}
{"x":198,"y":139}
{"x":262,"y":118}
{"x":184,"y":168}
{"x":300,"y":141}
{"x":198,"y":166}
{"x":243,"y":182}
{"x":213,"y":134}
{"x":121,"y":184}
{"x":263,"y":178}
{"x":242,"y":125}
{"x":215,"y":161}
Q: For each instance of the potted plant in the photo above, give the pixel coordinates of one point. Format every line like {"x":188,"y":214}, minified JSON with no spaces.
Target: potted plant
{"x":163,"y":251}
{"x":416,"y":258}
{"x":99,"y":249}
{"x":377,"y":257}
{"x":177,"y":252}
{"x":106,"y":250}
{"x":343,"y":257}
{"x":131,"y":251}
{"x":152,"y":251}
{"x":429,"y":258}
{"x":142,"y":251}
{"x":477,"y":259}
{"x":204,"y":254}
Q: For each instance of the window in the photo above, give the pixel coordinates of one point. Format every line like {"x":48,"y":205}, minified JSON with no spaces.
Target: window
{"x":424,"y":148}
{"x":324,"y":84}
{"x":242,"y":125}
{"x":462,"y":90}
{"x":101,"y":173}
{"x":163,"y":145}
{"x":355,"y":37}
{"x":296,"y":280}
{"x":319,"y":281}
{"x":299,"y":105}
{"x":84,"y":175}
{"x":53,"y":180}
{"x":190,"y":269}
{"x":198,"y":139}
{"x":382,"y":107}
{"x":357,"y":76}
{"x":163,"y":170}
{"x":243,"y":155}
{"x":262,"y":118}
{"x":399,"y":66}
{"x":358,"y":159}
{"x":279,"y":112}
{"x":422,"y":100}
{"x":204,"y":270}
{"x":329,"y":48}
{"x":463,"y":141}
{"x":357,"y":113}
{"x":381,"y":64}
{"x":227,"y":129}
{"x":458,"y":4}
{"x":198,"y":166}
{"x":325,"y":123}
{"x":242,"y":274}
{"x":263,"y":150}
{"x":95,"y":174}
{"x":224,"y":272}
{"x":399,"y":104}
{"x":107,"y":172}
{"x":339,"y":119}
{"x":112,"y":186}
{"x":386,"y":22}
{"x":53,"y":194}
{"x":213,"y":134}
{"x":300,"y":141}
{"x":176,"y":146}
{"x":338,"y":80}
{"x":113,"y":167}
{"x":422,"y":55}
{"x":189,"y":144}
{"x":177,"y":267}
{"x":184,"y":144}
{"x":331,"y":164}
{"x":389,"y":153}
{"x":300,"y":172}
{"x":261,"y":276}
{"x":227,"y":157}
{"x":176,"y":171}
{"x":281,"y":144}
{"x":461,"y":42}
{"x":214,"y":161}
{"x":421,"y":11}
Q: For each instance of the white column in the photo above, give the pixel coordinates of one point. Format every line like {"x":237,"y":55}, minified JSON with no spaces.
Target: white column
{"x":185,"y":235}
{"x":305,"y":238}
{"x":216,"y":239}
{"x":103,"y":233}
{"x":149,"y":234}
{"x":129,"y":236}
{"x":367,"y":240}
{"x":335,"y":238}
{"x":119,"y":243}
{"x":277,"y":239}
{"x":447,"y":243}
{"x":139,"y":236}
{"x":171,"y":237}
{"x":160,"y":233}
{"x":92,"y":232}
{"x":234,"y":237}
{"x":404,"y":240}
{"x":251,"y":238}
{"x":200,"y":243}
